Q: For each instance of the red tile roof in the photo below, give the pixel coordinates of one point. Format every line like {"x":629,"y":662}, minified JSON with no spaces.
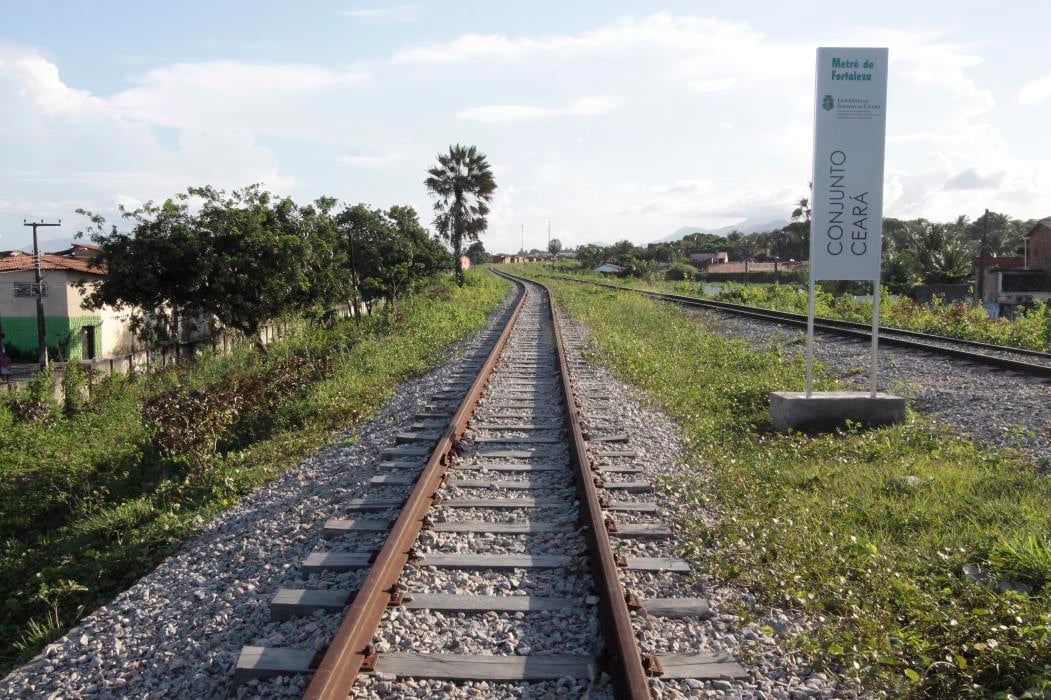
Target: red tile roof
{"x":48,"y":262}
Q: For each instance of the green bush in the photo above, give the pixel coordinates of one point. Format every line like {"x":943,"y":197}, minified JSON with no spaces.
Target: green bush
{"x":74,"y":383}
{"x":680,"y":272}
{"x":95,"y":499}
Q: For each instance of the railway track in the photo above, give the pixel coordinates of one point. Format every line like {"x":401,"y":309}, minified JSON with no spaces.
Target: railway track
{"x":1029,"y":362}
{"x":517,"y":522}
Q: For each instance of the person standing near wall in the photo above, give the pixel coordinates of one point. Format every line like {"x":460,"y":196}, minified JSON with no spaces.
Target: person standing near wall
{"x":5,"y":364}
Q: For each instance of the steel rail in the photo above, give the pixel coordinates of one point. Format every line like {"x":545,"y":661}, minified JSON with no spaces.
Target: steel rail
{"x":351,"y":646}
{"x":839,"y":327}
{"x":622,"y":654}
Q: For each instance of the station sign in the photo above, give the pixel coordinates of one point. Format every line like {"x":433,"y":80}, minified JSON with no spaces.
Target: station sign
{"x":850,"y":125}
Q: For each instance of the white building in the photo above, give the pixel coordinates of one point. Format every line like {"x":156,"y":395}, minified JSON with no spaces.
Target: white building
{"x":71,"y":331}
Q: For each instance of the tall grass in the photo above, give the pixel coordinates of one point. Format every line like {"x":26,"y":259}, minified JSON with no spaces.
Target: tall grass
{"x":89,"y":502}
{"x":1030,"y":329}
{"x":935,"y":585}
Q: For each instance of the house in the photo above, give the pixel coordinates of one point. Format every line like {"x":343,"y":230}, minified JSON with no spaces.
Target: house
{"x":1013,"y":281}
{"x":1038,"y":245}
{"x":607,"y":268}
{"x":71,"y":330}
{"x":703,"y":260}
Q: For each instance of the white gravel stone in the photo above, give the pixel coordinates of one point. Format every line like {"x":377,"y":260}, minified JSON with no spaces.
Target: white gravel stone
{"x":178,"y":631}
{"x":997,"y":407}
{"x":773,"y":672}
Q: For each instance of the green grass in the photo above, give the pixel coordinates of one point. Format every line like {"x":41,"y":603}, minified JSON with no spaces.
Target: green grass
{"x":828,"y":525}
{"x":1030,"y":330}
{"x":88,"y":504}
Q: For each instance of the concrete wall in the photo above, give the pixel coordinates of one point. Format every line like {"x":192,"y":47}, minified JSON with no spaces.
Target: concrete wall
{"x":55,"y":303}
{"x":1039,"y":247}
{"x":64,"y":318}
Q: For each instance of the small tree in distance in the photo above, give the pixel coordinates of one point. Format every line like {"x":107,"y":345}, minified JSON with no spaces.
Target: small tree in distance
{"x":477,"y":254}
{"x":555,"y":246}
{"x":463,"y":184}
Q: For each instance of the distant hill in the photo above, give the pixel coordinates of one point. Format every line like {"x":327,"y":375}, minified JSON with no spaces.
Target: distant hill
{"x":746,"y":226}
{"x":47,"y":246}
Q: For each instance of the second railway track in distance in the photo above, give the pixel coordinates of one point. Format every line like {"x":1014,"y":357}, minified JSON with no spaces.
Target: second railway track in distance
{"x":1033,"y":363}
{"x":512,"y":518}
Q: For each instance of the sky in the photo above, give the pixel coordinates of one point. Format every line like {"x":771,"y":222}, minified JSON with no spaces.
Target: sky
{"x":610,"y":120}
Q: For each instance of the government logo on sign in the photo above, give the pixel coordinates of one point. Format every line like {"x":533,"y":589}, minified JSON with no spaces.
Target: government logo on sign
{"x":828,"y":103}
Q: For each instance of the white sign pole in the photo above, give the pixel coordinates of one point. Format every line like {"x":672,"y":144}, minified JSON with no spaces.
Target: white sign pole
{"x":874,"y":374}
{"x":810,"y":339}
{"x":846,"y":227}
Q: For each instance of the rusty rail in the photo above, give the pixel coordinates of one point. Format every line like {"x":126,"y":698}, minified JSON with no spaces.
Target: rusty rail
{"x":351,"y":647}
{"x":622,"y":656}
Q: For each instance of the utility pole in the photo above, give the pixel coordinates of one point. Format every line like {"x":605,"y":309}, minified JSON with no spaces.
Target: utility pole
{"x":523,"y":239}
{"x":980,"y":286}
{"x":549,"y":234}
{"x":38,"y":291}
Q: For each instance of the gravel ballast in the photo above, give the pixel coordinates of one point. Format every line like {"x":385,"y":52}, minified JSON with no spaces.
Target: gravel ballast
{"x":177,"y":632}
{"x":997,"y":407}
{"x":772,"y":672}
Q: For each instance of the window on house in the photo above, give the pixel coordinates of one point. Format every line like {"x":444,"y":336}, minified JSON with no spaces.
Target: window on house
{"x":28,"y":289}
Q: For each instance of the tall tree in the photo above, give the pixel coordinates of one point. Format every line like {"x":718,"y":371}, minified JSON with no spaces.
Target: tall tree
{"x":238,"y":257}
{"x":325,"y":261}
{"x":477,"y":254}
{"x":943,"y":253}
{"x":463,"y":185}
{"x":1003,"y":234}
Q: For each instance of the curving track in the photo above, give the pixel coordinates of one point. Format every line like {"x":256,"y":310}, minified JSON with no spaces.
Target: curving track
{"x":512,"y":515}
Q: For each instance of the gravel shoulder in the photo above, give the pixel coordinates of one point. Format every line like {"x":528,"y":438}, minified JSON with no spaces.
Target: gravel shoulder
{"x":1000,"y":408}
{"x":608,"y":404}
{"x":178,"y":631}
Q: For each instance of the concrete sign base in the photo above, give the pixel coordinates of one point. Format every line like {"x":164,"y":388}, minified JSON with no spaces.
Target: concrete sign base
{"x":832,"y":409}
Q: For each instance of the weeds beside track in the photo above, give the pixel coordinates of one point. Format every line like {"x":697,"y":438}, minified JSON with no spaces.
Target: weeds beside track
{"x":832,"y":525}
{"x":90,"y":502}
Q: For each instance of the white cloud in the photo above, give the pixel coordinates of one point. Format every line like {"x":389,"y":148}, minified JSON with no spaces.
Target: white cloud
{"x":98,"y":153}
{"x":975,"y":179}
{"x":719,"y":126}
{"x":705,"y":202}
{"x":397,"y":13}
{"x":663,"y":29}
{"x":1035,"y":91}
{"x":237,"y":96}
{"x":498,"y":114}
{"x":369,"y":161}
{"x":37,"y":79}
{"x":714,"y":85}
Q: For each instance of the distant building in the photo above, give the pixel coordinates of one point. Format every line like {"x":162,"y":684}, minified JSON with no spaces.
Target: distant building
{"x":72,"y":331}
{"x":1013,"y":281}
{"x":607,"y":268}
{"x":703,"y":260}
{"x":733,"y":267}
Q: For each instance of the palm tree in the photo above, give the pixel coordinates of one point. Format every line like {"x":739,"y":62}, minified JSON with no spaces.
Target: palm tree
{"x":463,"y":184}
{"x":943,"y":253}
{"x":802,"y":210}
